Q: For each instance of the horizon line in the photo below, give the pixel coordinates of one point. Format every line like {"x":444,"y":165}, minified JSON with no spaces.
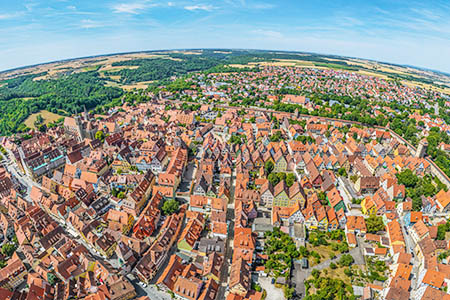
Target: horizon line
{"x":232,"y":49}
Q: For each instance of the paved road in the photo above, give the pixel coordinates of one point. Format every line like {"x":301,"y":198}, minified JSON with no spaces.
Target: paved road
{"x":22,"y":178}
{"x":409,"y":244}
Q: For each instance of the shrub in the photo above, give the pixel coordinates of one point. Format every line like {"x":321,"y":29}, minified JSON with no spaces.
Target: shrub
{"x":315,"y":273}
{"x":346,"y":260}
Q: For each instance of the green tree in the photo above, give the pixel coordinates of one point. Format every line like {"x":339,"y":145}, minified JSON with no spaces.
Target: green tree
{"x":315,"y":273}
{"x":288,"y":292}
{"x":100,"y":135}
{"x":441,"y":232}
{"x":322,"y":197}
{"x":42,"y":128}
{"x":39,"y":119}
{"x":170,"y":206}
{"x":346,"y":260}
{"x":374,"y":224}
{"x":281,"y":176}
{"x":238,"y":139}
{"x":342,"y":172}
{"x":8,"y":249}
{"x":428,"y":189}
{"x":256,"y":287}
{"x":407,"y":178}
{"x":417,"y":203}
{"x":303,"y":251}
{"x":343,"y":247}
{"x":268,"y":166}
{"x":276,"y":137}
{"x":273,"y":179}
{"x":442,"y":229}
{"x":290,"y":179}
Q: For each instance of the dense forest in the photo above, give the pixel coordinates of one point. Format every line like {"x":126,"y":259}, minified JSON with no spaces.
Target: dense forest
{"x":161,"y":68}
{"x":66,"y":95}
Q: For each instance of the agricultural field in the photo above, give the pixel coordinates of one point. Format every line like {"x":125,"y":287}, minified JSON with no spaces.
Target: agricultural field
{"x":138,"y":85}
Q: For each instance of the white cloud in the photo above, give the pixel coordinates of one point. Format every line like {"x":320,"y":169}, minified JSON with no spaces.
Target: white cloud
{"x":250,"y":4}
{"x":30,"y":6}
{"x":10,"y":16}
{"x":199,"y":7}
{"x":268,"y":33}
{"x":87,"y":23}
{"x":262,"y":6}
{"x":129,"y":8}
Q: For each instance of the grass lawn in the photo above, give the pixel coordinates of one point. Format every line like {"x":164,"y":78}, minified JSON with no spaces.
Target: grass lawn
{"x":91,"y":68}
{"x":338,"y":273}
{"x":323,"y":251}
{"x":46,"y":115}
{"x":137,"y":85}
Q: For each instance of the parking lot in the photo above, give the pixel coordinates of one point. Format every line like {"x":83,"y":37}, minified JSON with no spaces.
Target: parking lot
{"x":273,"y":293}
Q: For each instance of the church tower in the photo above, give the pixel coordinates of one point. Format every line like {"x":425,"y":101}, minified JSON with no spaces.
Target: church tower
{"x":422,"y":148}
{"x":80,"y":129}
{"x":85,"y":114}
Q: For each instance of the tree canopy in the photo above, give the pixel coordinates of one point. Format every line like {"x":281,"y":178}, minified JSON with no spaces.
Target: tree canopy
{"x":170,"y":206}
{"x":374,"y":224}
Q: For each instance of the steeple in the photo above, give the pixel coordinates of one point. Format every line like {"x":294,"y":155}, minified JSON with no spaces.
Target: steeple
{"x":85,"y":114}
{"x":79,"y":124}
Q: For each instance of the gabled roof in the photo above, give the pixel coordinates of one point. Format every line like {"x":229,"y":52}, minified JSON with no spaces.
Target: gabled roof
{"x":443,"y":198}
{"x":434,"y":278}
{"x":240,"y":274}
{"x":279,"y":188}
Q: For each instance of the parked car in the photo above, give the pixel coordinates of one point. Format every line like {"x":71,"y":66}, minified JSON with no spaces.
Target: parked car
{"x":305,"y":263}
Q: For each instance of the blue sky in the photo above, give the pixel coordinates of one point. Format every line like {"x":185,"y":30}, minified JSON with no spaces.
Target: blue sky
{"x":404,"y":32}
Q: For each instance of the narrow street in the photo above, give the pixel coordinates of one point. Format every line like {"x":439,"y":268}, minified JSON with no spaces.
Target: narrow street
{"x":409,"y":244}
{"x":22,"y":178}
{"x":229,"y":242}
